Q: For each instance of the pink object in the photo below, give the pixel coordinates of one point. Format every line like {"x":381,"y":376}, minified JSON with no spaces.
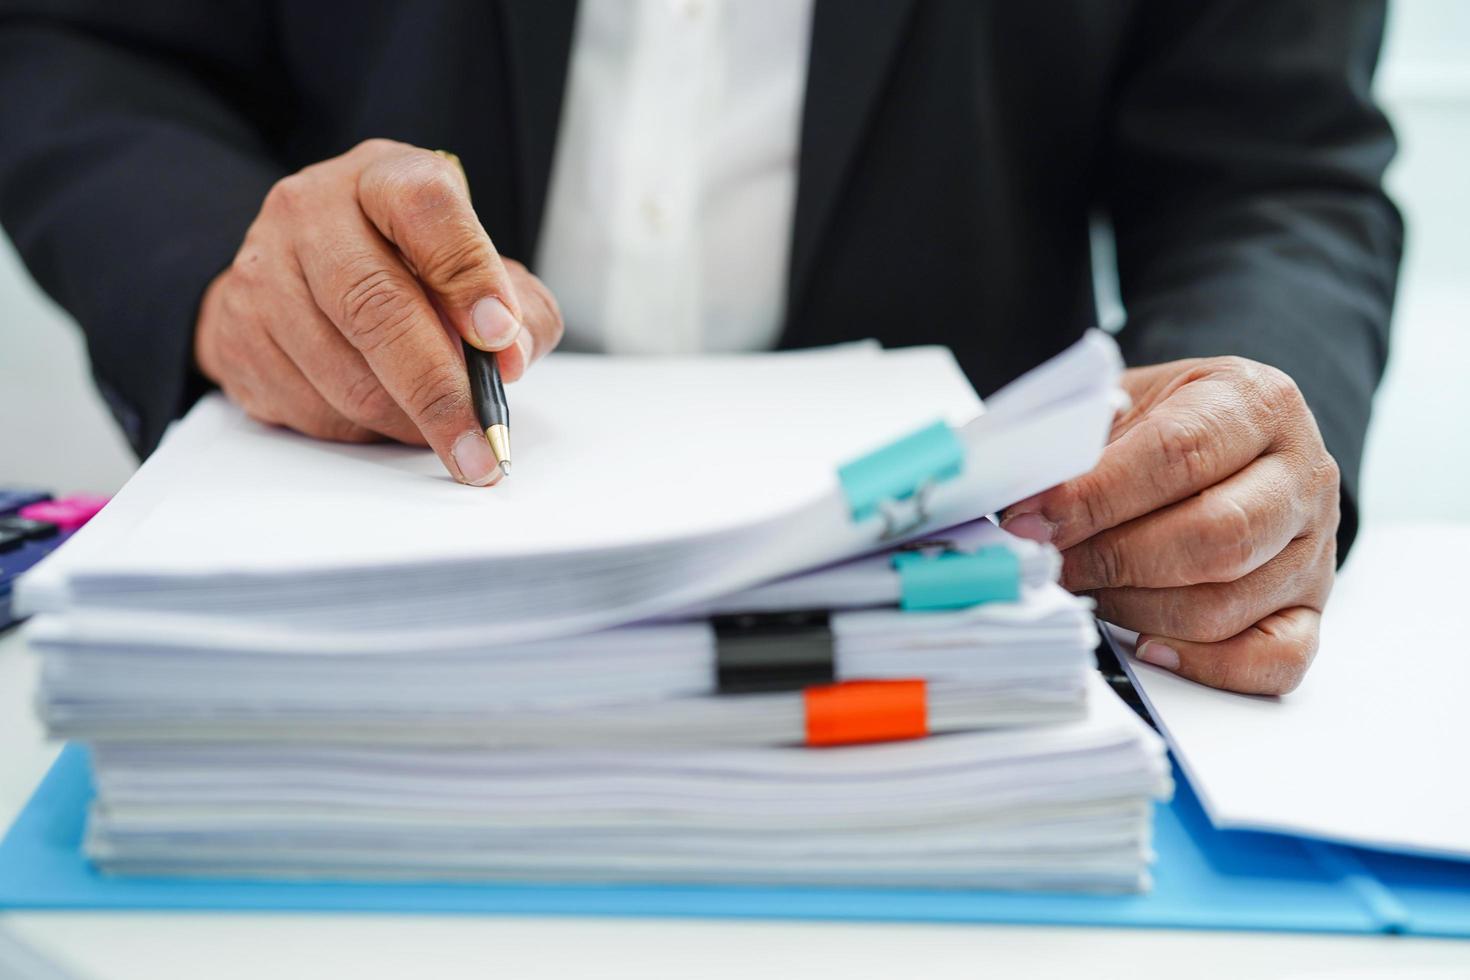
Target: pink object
{"x":67,"y":513}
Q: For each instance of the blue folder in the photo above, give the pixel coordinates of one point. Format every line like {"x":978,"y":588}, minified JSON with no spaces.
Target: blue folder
{"x":1204,"y":879}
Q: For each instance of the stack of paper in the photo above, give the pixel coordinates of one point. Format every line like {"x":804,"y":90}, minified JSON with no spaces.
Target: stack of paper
{"x":1065,"y":806}
{"x":641,"y":486}
{"x":109,"y":677}
{"x":296,"y":659}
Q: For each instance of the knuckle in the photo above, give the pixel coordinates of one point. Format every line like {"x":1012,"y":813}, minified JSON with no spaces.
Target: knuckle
{"x":422,"y":182}
{"x":1232,"y":364}
{"x":433,"y":189}
{"x":1331,"y":496}
{"x":1183,"y":447}
{"x":1212,"y":622}
{"x":1326,"y":474}
{"x":1283,"y":671}
{"x":288,"y":194}
{"x":1277,"y":393}
{"x":1275,"y":666}
{"x":437,"y":400}
{"x":1086,"y":495}
{"x":462,"y":260}
{"x":1109,"y":563}
{"x":247,"y":264}
{"x":377,"y":309}
{"x":1226,"y":544}
{"x":377,"y":146}
{"x":232,"y":295}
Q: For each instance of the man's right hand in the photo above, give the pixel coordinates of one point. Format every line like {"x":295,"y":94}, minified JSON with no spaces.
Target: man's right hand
{"x":341,"y":314}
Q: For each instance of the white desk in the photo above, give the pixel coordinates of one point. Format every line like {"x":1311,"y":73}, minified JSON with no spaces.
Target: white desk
{"x":213,"y":946}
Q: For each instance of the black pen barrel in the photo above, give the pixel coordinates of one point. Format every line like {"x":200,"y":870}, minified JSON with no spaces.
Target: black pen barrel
{"x":487,"y":390}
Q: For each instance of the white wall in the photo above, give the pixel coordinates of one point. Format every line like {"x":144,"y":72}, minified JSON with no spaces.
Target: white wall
{"x":1418,"y":459}
{"x":54,"y":431}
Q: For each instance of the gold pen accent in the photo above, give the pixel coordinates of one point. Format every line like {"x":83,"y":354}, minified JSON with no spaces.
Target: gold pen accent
{"x":499,"y":438}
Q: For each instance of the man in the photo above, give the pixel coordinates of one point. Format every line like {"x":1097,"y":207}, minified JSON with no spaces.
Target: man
{"x":243,"y":194}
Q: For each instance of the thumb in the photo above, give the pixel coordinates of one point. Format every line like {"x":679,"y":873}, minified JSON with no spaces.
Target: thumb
{"x":1270,"y":657}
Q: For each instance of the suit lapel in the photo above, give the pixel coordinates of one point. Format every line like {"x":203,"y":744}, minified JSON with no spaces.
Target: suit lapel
{"x":853,"y":45}
{"x":538,"y":46}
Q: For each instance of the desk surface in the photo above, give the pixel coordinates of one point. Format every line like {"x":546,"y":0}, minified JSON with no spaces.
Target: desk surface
{"x":113,"y":946}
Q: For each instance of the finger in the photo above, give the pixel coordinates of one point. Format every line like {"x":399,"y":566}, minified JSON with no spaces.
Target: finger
{"x":543,"y":324}
{"x":419,"y":201}
{"x":358,"y":280}
{"x":1220,"y":534}
{"x":336,"y":369}
{"x":1195,"y":438}
{"x":273,"y":390}
{"x":1300,"y":576}
{"x":1270,"y":657}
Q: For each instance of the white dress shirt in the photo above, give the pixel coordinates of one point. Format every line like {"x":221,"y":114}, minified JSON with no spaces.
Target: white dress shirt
{"x":668,"y":222}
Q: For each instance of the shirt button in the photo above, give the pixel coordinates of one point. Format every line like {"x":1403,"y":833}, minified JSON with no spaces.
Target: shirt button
{"x":688,"y":9}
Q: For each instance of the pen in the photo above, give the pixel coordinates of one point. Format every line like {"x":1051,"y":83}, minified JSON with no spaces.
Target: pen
{"x":487,"y":390}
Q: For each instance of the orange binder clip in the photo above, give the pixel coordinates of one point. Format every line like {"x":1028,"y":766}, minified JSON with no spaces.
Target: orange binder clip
{"x":866,"y":711}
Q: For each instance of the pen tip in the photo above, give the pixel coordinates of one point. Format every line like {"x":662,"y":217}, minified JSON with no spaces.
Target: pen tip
{"x":499,"y":436}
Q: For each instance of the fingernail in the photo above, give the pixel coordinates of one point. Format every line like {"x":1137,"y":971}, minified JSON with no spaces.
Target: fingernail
{"x":476,"y":462}
{"x":1156,"y":653}
{"x":1030,"y":525}
{"x":493,"y":324}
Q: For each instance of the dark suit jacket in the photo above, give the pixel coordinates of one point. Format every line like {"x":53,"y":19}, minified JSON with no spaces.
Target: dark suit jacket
{"x":951,"y":155}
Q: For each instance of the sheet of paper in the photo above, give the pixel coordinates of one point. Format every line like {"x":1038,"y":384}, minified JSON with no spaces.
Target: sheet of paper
{"x":1374,"y":748}
{"x":607,"y":453}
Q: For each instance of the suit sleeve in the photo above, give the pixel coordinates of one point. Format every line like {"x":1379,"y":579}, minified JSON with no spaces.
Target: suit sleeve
{"x":1244,"y":181}
{"x":130,"y":167}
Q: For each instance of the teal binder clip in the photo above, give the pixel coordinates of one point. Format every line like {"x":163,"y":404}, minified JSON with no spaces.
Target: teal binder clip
{"x":902,"y":471}
{"x":955,"y":580}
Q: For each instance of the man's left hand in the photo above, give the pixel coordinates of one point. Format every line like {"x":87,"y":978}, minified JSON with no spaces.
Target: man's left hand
{"x":1209,"y":526}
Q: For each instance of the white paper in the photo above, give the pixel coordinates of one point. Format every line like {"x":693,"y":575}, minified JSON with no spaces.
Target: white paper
{"x":1065,"y":806}
{"x":1374,"y":748}
{"x":641,"y":485}
{"x":607,"y":454}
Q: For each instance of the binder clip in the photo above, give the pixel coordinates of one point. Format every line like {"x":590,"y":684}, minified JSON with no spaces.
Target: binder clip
{"x":853,"y":712}
{"x":762,"y":652}
{"x":895,"y":482}
{"x":932,"y":575}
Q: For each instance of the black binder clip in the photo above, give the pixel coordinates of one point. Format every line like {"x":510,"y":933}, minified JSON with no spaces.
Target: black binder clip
{"x":777,"y":651}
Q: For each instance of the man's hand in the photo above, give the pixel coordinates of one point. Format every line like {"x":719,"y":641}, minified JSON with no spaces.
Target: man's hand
{"x":341,"y":315}
{"x":1209,"y":526}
